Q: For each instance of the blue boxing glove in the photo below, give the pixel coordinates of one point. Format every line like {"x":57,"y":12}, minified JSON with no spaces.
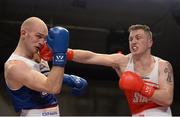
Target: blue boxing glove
{"x":58,"y":41}
{"x":77,"y":83}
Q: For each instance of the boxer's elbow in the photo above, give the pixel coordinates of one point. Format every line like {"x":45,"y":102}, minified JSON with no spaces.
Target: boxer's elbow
{"x":53,"y":89}
{"x":164,"y":98}
{"x":166,"y":101}
{"x":56,"y":90}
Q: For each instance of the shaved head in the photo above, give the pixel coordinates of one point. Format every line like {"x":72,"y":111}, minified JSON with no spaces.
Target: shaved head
{"x":33,"y":34}
{"x":32,"y":23}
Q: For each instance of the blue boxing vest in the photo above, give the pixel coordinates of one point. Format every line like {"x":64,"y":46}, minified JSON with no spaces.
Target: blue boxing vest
{"x":25,"y":98}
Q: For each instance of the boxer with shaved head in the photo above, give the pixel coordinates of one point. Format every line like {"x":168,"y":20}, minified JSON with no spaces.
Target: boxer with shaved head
{"x":33,"y":92}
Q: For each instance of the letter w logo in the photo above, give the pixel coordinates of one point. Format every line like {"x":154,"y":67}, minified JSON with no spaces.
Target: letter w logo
{"x":59,"y":57}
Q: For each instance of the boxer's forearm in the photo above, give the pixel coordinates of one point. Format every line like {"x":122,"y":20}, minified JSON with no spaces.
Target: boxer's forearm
{"x":83,"y":56}
{"x":163,"y":97}
{"x":89,"y":57}
{"x":55,"y":79}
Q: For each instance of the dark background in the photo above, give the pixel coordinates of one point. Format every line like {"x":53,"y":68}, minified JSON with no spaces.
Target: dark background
{"x":100,"y":26}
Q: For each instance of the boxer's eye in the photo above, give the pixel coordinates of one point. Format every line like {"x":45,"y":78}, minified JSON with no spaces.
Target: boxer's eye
{"x":138,"y":37}
{"x":130,"y":39}
{"x":39,"y":35}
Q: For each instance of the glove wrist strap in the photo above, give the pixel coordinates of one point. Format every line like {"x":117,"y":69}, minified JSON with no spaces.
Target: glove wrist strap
{"x":59,"y":59}
{"x":70,"y":54}
{"x":147,"y":91}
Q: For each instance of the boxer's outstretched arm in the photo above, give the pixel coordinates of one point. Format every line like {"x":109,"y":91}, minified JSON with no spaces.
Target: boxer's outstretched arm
{"x":164,"y":95}
{"x":89,"y":57}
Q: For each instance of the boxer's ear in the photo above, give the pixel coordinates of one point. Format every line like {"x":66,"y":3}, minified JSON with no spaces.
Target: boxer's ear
{"x":23,"y":33}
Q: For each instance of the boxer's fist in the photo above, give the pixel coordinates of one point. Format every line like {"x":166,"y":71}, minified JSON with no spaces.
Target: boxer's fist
{"x":46,"y":54}
{"x":57,"y":41}
{"x":131,"y":81}
{"x":77,"y":83}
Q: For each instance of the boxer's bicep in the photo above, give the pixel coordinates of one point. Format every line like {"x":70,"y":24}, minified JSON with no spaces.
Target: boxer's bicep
{"x":164,"y":94}
{"x":25,"y":75}
{"x":35,"y":80}
{"x":166,"y":78}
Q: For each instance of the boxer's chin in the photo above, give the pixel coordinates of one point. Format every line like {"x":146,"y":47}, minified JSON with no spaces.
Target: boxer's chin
{"x":36,"y":57}
{"x":36,"y":50}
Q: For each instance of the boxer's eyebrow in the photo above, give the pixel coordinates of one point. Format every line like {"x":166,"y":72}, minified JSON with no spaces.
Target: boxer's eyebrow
{"x":40,"y":34}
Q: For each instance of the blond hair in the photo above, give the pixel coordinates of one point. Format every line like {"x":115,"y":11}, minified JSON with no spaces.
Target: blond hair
{"x":143,"y":27}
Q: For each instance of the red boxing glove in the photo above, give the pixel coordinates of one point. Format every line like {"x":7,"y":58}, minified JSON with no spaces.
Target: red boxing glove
{"x":131,"y":81}
{"x":70,"y":54}
{"x":46,"y":54}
